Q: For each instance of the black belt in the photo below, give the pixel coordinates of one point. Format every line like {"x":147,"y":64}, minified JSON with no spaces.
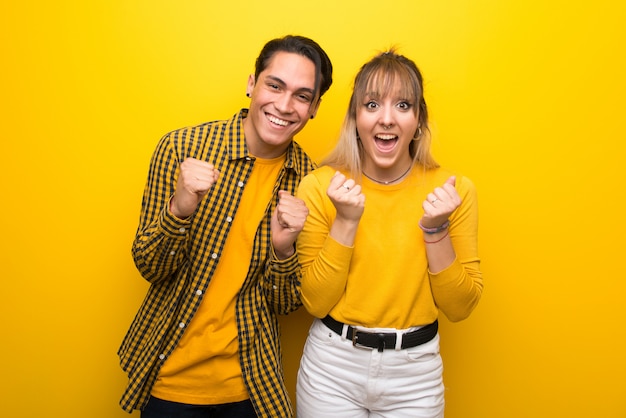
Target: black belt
{"x":383,"y":340}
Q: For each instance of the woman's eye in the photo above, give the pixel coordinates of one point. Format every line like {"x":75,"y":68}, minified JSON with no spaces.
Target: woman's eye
{"x":404,"y":105}
{"x":371,"y":105}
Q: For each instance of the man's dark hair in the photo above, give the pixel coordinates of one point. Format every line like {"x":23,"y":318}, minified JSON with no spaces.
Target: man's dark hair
{"x":302,"y":46}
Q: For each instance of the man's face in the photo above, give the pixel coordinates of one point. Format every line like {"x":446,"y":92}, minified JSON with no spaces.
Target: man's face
{"x":283,"y":99}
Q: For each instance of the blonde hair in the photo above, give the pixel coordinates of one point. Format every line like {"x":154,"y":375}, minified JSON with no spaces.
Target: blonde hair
{"x":386,"y":72}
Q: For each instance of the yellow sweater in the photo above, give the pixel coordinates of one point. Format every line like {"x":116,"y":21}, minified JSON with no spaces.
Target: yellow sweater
{"x":383,"y":280}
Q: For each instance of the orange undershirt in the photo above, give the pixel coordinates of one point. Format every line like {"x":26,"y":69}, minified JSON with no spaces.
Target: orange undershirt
{"x":204,"y":368}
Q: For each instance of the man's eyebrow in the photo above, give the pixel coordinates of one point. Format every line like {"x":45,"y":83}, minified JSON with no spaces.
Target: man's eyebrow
{"x":278,"y":80}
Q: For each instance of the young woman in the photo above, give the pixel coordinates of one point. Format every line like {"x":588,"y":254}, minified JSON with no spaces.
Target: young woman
{"x":390,"y":240}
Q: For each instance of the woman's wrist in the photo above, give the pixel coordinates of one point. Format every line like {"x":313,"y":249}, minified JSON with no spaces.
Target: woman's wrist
{"x":434,"y":239}
{"x":434,"y":230}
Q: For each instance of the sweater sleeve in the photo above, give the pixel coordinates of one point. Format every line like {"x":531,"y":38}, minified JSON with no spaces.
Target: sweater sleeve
{"x":458,"y":288}
{"x":325,"y":262}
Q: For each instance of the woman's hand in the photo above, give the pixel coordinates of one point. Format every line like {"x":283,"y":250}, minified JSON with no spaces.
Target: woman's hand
{"x":440,"y":204}
{"x":347,"y":198}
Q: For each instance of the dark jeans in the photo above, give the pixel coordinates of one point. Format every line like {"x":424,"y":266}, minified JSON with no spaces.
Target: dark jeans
{"x":158,"y":408}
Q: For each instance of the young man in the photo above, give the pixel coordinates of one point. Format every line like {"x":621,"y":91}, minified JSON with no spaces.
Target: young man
{"x":216,"y":242}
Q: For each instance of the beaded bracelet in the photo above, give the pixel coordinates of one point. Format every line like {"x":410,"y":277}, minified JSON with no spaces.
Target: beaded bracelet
{"x":443,"y":227}
{"x":437,"y":240}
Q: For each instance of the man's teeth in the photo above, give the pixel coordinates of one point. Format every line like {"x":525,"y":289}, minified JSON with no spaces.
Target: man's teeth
{"x":278,"y":121}
{"x":385,"y":137}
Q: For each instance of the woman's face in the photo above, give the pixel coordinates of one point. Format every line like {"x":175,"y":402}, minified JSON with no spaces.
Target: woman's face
{"x":386,"y":126}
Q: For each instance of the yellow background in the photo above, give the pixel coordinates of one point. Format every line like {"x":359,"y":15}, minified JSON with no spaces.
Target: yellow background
{"x":527,"y":99}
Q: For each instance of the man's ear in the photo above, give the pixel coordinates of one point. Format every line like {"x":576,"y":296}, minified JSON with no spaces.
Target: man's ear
{"x":315,"y":107}
{"x":250,"y":86}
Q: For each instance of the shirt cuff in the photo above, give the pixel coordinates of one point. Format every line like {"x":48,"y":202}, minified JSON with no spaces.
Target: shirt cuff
{"x":285,"y":266}
{"x":172,"y":226}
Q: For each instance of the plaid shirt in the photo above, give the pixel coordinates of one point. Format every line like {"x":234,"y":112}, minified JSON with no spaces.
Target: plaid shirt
{"x":179,"y":257}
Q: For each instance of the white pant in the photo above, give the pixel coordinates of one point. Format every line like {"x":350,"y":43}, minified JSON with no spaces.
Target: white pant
{"x":339,"y":380}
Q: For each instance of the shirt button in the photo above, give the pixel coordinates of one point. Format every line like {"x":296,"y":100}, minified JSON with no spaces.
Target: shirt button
{"x":162,"y":356}
{"x":229,"y":219}
{"x":274,"y":287}
{"x":181,"y":325}
{"x":248,"y":158}
{"x":182,"y":229}
{"x":199,"y":292}
{"x":240,"y":184}
{"x":172,"y":252}
{"x":214,"y":256}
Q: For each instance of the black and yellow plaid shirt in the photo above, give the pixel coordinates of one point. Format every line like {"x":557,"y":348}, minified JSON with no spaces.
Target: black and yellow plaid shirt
{"x":178,"y":257}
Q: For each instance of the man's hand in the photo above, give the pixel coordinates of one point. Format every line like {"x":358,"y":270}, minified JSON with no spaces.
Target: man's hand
{"x":287,"y":222}
{"x":195,"y":178}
